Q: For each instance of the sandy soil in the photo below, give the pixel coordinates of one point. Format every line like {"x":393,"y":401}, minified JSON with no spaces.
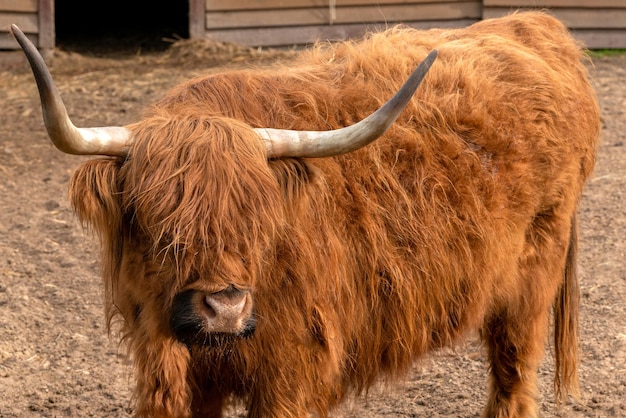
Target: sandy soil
{"x":55,"y":356}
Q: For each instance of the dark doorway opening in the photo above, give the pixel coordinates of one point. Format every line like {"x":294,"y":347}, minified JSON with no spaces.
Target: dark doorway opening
{"x":118,"y":26}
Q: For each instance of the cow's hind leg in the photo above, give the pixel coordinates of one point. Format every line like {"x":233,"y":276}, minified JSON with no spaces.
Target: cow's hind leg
{"x":515,"y":347}
{"x":516,"y":332}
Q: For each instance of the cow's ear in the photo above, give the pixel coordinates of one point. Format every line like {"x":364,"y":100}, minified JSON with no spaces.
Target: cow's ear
{"x":95,"y":195}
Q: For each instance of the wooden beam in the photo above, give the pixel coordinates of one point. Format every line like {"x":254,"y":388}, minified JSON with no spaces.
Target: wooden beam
{"x":344,"y":15}
{"x":196,"y":19}
{"x":46,"y":24}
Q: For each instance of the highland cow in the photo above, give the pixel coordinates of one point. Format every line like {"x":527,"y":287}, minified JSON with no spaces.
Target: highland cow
{"x":260,"y":244}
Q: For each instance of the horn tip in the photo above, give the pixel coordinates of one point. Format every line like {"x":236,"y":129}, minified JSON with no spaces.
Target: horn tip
{"x":15,"y":29}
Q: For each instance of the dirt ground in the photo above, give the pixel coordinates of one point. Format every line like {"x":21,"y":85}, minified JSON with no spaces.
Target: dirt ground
{"x":55,"y":356}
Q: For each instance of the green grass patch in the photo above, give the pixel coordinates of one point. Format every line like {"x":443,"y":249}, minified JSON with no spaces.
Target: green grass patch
{"x":599,"y":53}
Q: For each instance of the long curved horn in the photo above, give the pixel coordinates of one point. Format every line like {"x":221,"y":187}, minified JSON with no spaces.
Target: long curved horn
{"x":110,"y":140}
{"x":314,"y":144}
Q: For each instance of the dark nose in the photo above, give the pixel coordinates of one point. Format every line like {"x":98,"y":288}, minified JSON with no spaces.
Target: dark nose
{"x":228,"y":310}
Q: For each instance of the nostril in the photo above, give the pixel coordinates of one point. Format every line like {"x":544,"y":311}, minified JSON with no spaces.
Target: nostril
{"x":210,"y":310}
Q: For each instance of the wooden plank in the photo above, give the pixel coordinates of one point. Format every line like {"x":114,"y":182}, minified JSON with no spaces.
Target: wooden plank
{"x":589,"y":4}
{"x":602,"y":38}
{"x":224,"y":5}
{"x":575,"y":18}
{"x":318,"y":16}
{"x":28,"y":22}
{"x":10,"y":58}
{"x":7,"y":41}
{"x":46,"y":24}
{"x":302,"y":35}
{"x":18,"y":6}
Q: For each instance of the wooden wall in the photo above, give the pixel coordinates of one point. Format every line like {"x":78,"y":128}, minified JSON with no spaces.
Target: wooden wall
{"x":598,"y":23}
{"x":288,"y":22}
{"x":34,"y":17}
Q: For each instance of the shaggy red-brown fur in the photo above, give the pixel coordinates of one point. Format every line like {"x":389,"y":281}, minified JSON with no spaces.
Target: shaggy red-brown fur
{"x":461,"y":217}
